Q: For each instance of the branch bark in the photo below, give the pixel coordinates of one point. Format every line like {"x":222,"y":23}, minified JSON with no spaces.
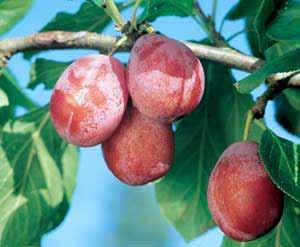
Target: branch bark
{"x":104,"y":43}
{"x":285,"y":80}
{"x":88,"y":40}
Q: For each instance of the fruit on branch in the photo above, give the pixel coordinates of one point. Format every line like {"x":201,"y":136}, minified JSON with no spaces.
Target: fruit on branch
{"x":165,"y":78}
{"x":242,"y":198}
{"x":89,"y":100}
{"x":140,"y":150}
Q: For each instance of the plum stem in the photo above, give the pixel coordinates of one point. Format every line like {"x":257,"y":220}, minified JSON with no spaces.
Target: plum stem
{"x":249,"y":120}
{"x":117,"y":45}
{"x":112,"y":10}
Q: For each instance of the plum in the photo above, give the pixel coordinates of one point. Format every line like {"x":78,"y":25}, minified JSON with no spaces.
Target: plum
{"x":165,"y":78}
{"x":140,"y":150}
{"x":242,"y":198}
{"x":89,"y":100}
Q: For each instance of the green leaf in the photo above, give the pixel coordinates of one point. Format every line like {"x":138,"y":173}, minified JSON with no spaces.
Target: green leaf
{"x":288,"y":104}
{"x":11,"y":11}
{"x":288,"y":62}
{"x":264,"y":11}
{"x":4,"y":107}
{"x":258,"y":14}
{"x":156,"y":8}
{"x":281,"y":48}
{"x":287,"y":110}
{"x":285,"y":234}
{"x":3,"y":99}
{"x":88,"y":18}
{"x":282,"y":161}
{"x":293,"y":97}
{"x":286,"y":24}
{"x":46,"y":72}
{"x":14,"y":93}
{"x":37,"y":179}
{"x":252,"y":37}
{"x":98,"y":2}
{"x":243,"y":9}
{"x":200,"y":138}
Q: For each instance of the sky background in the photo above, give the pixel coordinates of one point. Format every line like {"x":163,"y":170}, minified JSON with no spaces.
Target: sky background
{"x":105,"y":212}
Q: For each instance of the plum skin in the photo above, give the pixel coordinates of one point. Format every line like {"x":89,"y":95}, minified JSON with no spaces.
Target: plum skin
{"x":140,"y":150}
{"x":165,"y":78}
{"x":242,"y":198}
{"x":89,"y":100}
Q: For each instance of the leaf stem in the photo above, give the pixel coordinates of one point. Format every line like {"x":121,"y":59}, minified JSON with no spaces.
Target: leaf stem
{"x":208,"y":26}
{"x":235,"y":35}
{"x":112,"y":10}
{"x":222,"y":25}
{"x":134,"y":13}
{"x":214,"y":10}
{"x":249,"y":120}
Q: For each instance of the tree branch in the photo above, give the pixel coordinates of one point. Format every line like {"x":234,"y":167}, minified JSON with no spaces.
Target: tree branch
{"x":104,"y":43}
{"x":274,"y":88}
{"x":87,"y":40}
{"x":226,"y":56}
{"x":57,"y":40}
{"x":292,"y":79}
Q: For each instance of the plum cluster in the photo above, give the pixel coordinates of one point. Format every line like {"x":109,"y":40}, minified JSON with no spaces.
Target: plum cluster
{"x":131,"y":110}
{"x":90,"y":105}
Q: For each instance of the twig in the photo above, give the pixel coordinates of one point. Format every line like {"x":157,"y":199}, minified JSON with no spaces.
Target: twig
{"x":274,"y":88}
{"x":294,"y":81}
{"x":87,"y":40}
{"x":277,"y":83}
{"x":209,"y":27}
{"x":226,"y":56}
{"x":58,"y":40}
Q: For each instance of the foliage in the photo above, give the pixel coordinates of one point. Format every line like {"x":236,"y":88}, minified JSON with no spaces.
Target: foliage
{"x":13,"y":91}
{"x":46,"y":72}
{"x":38,"y":169}
{"x":11,"y":11}
{"x":156,"y":8}
{"x":200,"y":138}
{"x":285,"y":154}
{"x":288,"y":14}
{"x":286,"y":62}
{"x":37,"y":180}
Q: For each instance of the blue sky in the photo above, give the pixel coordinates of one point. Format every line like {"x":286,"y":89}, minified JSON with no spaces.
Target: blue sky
{"x":104,"y":210}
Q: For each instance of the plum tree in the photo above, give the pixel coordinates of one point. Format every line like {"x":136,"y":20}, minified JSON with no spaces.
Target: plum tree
{"x":140,"y":150}
{"x":243,"y":200}
{"x":89,"y":100}
{"x":165,"y":78}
